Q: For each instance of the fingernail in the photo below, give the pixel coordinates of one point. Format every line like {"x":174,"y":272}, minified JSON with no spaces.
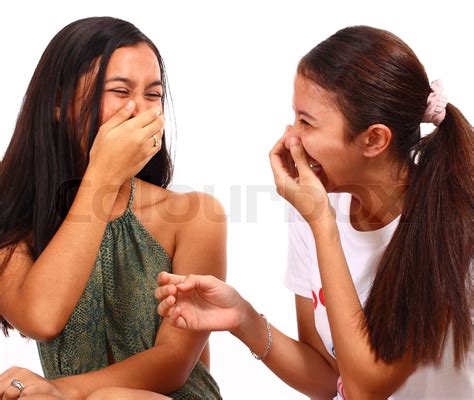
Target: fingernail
{"x":130,"y":105}
{"x":158,"y":111}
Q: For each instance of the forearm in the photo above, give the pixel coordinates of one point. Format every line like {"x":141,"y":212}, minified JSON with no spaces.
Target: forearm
{"x":296,"y":363}
{"x":55,"y":282}
{"x":161,"y":369}
{"x":361,"y":373}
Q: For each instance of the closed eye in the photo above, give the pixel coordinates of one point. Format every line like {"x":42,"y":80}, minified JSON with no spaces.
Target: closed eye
{"x":121,"y":91}
{"x":304,"y":122}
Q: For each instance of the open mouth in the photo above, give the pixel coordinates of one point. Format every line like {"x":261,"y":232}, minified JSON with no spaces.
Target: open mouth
{"x":315,"y":166}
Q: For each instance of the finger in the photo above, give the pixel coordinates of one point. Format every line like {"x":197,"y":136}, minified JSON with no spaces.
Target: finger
{"x":289,"y":163}
{"x":155,"y":144}
{"x":191,"y":282}
{"x":286,"y":155}
{"x":119,"y":117}
{"x":177,"y":319}
{"x":287,"y":131}
{"x":145,"y":118}
{"x":10,"y":393}
{"x":7,"y":377}
{"x":156,"y":128}
{"x":199,"y":282}
{"x":173,"y":279}
{"x":279,"y":168}
{"x":166,"y":306}
{"x":299,"y":156}
{"x":162,"y":292}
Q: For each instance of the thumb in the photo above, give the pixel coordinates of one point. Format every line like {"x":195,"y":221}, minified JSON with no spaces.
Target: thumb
{"x":189,"y":283}
{"x":299,"y":157}
{"x":199,"y":282}
{"x":166,"y":278}
{"x":119,"y":117}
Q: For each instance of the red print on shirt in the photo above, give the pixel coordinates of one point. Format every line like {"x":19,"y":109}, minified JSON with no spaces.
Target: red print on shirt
{"x":315,"y":299}
{"x":321,"y":297}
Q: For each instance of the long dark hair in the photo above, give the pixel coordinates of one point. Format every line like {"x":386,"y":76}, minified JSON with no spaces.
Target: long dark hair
{"x":44,"y":162}
{"x":422,"y":287}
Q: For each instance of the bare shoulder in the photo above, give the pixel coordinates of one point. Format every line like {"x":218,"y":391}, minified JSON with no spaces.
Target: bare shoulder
{"x":173,"y":218}
{"x":195,"y":207}
{"x":181,"y":208}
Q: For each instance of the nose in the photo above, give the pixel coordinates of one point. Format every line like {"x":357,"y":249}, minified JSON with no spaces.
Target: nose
{"x":141,"y":105}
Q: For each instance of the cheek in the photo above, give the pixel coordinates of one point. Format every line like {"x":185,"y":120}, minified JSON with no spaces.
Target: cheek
{"x":315,"y":148}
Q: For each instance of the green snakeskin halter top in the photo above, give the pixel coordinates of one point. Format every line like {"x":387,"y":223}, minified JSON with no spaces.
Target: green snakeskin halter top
{"x":116,"y":314}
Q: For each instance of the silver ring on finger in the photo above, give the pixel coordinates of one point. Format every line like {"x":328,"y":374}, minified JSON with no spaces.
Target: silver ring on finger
{"x":155,"y":141}
{"x":16,"y":383}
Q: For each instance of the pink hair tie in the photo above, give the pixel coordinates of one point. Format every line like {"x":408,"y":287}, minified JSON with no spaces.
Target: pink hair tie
{"x":340,"y":388}
{"x":436,"y":104}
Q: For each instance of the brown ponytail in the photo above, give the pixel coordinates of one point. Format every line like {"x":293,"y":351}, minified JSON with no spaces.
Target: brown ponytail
{"x":422,"y":286}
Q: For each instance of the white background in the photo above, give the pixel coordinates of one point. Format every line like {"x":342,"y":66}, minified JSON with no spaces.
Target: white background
{"x":230,"y":66}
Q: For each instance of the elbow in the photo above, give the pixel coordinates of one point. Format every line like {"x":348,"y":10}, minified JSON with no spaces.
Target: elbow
{"x":178,"y":381}
{"x":179,"y":377}
{"x":354,"y":391}
{"x":322,"y":395}
{"x":44,"y":332}
{"x":42,"y":327}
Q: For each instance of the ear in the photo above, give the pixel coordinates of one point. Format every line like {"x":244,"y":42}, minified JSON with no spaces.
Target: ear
{"x":375,"y":140}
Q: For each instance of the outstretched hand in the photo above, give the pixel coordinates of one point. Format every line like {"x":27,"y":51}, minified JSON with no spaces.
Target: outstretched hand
{"x":198,"y":302}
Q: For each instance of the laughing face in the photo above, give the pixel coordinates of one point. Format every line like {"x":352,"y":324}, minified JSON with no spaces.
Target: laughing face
{"x":133,"y":73}
{"x":320,"y":127}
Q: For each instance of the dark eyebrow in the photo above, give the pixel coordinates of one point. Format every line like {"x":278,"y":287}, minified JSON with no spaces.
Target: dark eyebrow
{"x":131,"y":83}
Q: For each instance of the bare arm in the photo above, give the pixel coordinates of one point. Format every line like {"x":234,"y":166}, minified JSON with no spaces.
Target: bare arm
{"x":204,"y":303}
{"x":303,"y":364}
{"x":38,"y":297}
{"x":362,"y":376}
{"x":200,"y":248}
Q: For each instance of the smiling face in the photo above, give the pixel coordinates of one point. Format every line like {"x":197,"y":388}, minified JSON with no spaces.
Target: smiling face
{"x":320,"y":127}
{"x":133,"y":73}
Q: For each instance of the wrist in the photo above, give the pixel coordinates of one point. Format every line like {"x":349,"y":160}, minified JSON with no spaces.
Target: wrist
{"x":255,"y":332}
{"x":67,"y":390}
{"x":324,"y":225}
{"x":101,"y":177}
{"x":248,"y":316}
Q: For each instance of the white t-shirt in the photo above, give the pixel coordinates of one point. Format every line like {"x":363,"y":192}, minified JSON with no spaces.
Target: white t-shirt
{"x":363,"y":251}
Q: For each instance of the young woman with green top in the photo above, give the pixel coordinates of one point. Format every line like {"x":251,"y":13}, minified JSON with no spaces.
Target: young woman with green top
{"x":87,"y":223}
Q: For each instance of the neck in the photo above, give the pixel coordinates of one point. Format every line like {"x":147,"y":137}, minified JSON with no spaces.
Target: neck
{"x":377,"y":204}
{"x":121,"y":202}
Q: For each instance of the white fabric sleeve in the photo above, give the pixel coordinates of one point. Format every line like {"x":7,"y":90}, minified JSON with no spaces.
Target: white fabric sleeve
{"x":298,"y":272}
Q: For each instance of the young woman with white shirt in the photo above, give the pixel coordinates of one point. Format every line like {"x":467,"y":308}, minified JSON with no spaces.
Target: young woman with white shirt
{"x":380,"y":268}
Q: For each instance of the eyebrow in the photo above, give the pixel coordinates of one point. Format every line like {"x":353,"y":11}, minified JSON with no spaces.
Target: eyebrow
{"x":132,"y":83}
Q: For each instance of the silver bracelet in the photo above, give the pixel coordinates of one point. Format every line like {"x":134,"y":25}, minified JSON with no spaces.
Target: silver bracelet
{"x":269,"y":344}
